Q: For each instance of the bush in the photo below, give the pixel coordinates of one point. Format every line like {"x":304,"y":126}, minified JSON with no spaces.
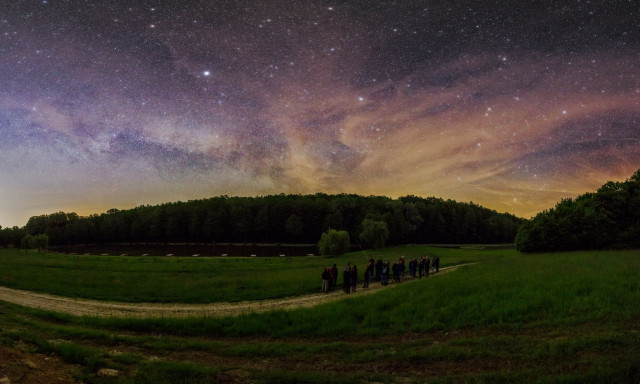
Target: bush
{"x":39,"y":242}
{"x":334,"y":243}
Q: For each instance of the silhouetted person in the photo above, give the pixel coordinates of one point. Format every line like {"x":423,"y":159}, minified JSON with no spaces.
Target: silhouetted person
{"x":384,"y":276}
{"x":354,"y":278}
{"x":367,"y":273}
{"x":427,"y":265}
{"x":346,"y":278}
{"x":379,"y":265}
{"x":326,"y":277}
{"x":395,"y":269}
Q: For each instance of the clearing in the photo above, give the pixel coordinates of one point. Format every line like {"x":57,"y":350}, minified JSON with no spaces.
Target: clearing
{"x":83,"y":307}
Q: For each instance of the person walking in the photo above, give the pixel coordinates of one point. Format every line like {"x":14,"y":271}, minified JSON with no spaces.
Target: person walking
{"x":394,"y":270}
{"x":401,"y":269}
{"x":367,"y":273}
{"x":334,"y":276}
{"x":346,"y":278}
{"x":427,"y":265}
{"x":326,"y":276}
{"x":330,"y":288}
{"x":354,"y":278}
{"x":384,"y":275}
{"x":379,"y":265}
{"x":413,"y":266}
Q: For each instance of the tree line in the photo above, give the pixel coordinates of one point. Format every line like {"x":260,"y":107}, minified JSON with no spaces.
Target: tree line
{"x":606,"y":219}
{"x":280,"y":219}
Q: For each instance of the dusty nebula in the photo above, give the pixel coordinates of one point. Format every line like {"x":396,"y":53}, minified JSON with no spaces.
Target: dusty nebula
{"x":511,"y":105}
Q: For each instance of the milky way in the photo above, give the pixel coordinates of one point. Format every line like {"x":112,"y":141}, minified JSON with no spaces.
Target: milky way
{"x":510,"y":105}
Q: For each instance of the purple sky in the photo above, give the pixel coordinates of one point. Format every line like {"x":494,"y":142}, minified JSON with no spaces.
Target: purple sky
{"x":511,"y":105}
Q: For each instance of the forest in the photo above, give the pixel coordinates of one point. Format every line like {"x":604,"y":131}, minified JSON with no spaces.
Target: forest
{"x":276,"y":219}
{"x":606,"y":219}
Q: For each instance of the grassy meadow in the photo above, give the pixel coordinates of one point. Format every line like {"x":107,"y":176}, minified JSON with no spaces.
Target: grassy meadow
{"x":508,"y":318}
{"x":183,"y":279}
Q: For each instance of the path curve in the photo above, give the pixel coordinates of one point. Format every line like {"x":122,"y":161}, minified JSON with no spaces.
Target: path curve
{"x":94,"y":308}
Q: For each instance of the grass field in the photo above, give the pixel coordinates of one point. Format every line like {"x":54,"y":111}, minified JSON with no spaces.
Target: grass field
{"x":186,"y":279}
{"x":509,"y":318}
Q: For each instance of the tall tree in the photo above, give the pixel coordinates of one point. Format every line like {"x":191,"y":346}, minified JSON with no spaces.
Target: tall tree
{"x":609,"y":218}
{"x":294,"y":226}
{"x":374,"y":233}
{"x":334,"y":243}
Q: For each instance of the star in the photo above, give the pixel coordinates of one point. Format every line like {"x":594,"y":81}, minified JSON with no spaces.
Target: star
{"x":367,"y":97}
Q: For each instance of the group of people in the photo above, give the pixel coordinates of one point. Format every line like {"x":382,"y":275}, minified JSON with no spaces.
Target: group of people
{"x":378,"y":270}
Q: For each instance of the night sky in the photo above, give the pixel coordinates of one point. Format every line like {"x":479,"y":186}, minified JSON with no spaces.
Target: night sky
{"x":513,"y":105}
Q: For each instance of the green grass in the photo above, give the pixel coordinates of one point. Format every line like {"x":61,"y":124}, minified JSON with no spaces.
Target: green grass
{"x":505,"y":293}
{"x":188,"y":279}
{"x":511,"y":318}
{"x":174,"y":372}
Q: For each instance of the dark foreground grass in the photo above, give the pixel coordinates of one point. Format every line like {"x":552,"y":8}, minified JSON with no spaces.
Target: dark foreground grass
{"x":512,"y":318}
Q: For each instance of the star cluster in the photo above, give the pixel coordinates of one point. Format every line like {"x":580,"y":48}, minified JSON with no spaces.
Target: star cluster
{"x":508,"y":104}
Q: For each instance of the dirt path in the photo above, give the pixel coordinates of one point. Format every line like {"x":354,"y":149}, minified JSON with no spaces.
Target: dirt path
{"x":83,"y":307}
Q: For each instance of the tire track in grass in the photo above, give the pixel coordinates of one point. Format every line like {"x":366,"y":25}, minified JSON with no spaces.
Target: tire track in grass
{"x":95,"y":308}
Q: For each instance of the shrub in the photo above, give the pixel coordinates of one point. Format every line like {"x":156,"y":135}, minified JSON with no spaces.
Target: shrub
{"x":334,"y":243}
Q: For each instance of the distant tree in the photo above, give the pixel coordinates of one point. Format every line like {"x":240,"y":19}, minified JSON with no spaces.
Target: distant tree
{"x":242,"y":218}
{"x":158,"y":224}
{"x":470,"y":225}
{"x":374,"y":233}
{"x":36,"y":224}
{"x":218,"y":224}
{"x":177,"y":226}
{"x":262,"y":221}
{"x":334,"y":243}
{"x":10,"y":237}
{"x":39,"y":242}
{"x":25,"y":242}
{"x":110,"y":225}
{"x":609,"y":218}
{"x":139,"y":228}
{"x":409,"y":219}
{"x":332,"y":220}
{"x":197,"y":216}
{"x":294,"y":226}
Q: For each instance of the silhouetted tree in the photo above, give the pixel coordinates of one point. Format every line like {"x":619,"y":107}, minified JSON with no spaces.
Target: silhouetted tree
{"x":10,"y":237}
{"x":273,"y":219}
{"x":334,"y":243}
{"x":374,"y":233}
{"x":294,"y":226}
{"x":609,"y":218}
